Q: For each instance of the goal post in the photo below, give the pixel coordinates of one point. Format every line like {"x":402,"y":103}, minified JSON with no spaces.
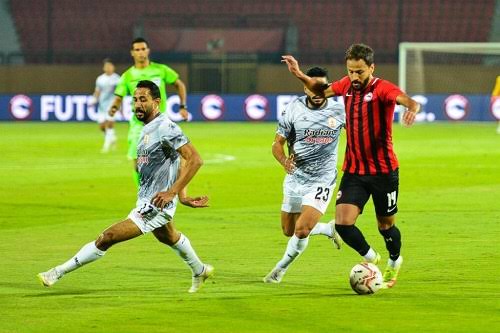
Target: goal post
{"x":469,"y":68}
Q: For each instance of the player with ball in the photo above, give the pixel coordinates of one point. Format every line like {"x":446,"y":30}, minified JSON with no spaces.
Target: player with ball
{"x":370,"y":164}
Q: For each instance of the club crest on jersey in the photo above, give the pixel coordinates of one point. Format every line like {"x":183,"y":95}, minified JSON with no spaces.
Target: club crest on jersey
{"x":146,"y":139}
{"x":332,"y":122}
{"x":368,"y":97}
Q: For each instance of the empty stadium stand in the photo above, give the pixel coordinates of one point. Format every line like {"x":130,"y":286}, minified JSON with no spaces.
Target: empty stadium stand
{"x":75,"y":31}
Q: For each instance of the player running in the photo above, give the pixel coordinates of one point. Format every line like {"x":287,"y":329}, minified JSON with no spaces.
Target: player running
{"x":144,"y":69}
{"x":163,"y":180}
{"x":370,"y":165}
{"x":310,"y":126}
{"x":105,"y":85}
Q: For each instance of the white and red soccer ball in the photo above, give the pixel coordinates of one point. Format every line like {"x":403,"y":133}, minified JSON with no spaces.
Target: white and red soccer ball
{"x":365,"y":278}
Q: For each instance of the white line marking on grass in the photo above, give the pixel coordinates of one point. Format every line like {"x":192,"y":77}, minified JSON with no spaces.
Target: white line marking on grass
{"x":220,"y":158}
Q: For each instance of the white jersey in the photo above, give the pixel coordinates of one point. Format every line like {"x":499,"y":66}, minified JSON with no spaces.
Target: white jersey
{"x":157,"y":158}
{"x":313,"y":137}
{"x":106,"y":85}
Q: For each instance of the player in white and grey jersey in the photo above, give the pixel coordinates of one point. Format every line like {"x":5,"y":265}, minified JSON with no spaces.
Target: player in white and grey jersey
{"x":310,"y":126}
{"x":104,"y":95}
{"x":163,"y":180}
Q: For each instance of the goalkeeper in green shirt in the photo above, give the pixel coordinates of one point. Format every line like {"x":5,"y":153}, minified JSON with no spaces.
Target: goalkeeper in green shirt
{"x":144,"y":69}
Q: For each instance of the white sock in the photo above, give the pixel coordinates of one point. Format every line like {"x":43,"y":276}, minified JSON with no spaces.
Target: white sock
{"x":109,"y":137}
{"x":110,"y":132}
{"x":370,"y":255}
{"x":184,"y":249}
{"x":88,"y":253}
{"x":321,"y":229}
{"x":395,"y":263}
{"x":294,"y":248}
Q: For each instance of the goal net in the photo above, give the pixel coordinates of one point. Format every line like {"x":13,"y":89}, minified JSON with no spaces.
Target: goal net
{"x":444,"y":68}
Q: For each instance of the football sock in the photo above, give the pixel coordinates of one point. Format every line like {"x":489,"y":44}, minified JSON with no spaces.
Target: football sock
{"x":109,"y":138}
{"x":321,"y":229}
{"x":88,"y":253}
{"x":110,"y":132}
{"x":353,"y":237}
{"x":392,"y":238}
{"x":370,"y":255}
{"x":184,"y":249}
{"x":395,"y":263}
{"x":294,"y":248}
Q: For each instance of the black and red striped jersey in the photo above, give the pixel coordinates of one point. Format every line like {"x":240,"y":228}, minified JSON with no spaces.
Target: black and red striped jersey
{"x":369,"y":117}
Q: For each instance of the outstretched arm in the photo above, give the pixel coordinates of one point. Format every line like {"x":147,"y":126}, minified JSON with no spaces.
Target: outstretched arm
{"x":412,"y":108}
{"x":313,"y":85}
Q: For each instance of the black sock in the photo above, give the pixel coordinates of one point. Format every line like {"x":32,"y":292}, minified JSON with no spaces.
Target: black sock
{"x":353,"y":237}
{"x":392,"y":238}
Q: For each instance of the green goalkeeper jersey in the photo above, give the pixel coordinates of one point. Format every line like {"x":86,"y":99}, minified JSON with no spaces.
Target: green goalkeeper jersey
{"x":160,"y":74}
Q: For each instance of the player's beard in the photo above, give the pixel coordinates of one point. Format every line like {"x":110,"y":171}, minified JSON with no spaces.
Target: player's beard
{"x":360,"y":85}
{"x":315,"y":102}
{"x":141,"y":114}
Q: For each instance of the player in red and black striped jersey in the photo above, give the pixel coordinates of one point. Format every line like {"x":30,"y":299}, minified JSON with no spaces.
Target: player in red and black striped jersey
{"x":370,"y":164}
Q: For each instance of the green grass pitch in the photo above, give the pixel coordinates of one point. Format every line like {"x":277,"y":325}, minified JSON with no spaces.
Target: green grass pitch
{"x":57,"y":192}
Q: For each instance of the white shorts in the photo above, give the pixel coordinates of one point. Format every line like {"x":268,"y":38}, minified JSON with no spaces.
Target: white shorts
{"x":147,"y":217}
{"x":296,"y":195}
{"x":104,"y":116}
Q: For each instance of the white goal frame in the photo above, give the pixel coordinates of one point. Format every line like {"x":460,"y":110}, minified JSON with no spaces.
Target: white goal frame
{"x":462,"y":48}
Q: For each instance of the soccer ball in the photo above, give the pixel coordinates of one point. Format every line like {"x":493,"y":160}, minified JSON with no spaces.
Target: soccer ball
{"x":365,"y":278}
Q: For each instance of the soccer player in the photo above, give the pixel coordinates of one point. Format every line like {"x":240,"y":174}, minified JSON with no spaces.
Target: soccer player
{"x":163,"y":180}
{"x":370,"y":165}
{"x":144,"y":69}
{"x":105,"y":85}
{"x":496,"y":94}
{"x":310,"y":126}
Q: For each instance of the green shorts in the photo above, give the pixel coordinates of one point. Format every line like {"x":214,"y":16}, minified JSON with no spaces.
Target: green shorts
{"x":134,"y":133}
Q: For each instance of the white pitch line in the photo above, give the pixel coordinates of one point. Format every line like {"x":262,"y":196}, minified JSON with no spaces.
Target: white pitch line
{"x":220,"y":158}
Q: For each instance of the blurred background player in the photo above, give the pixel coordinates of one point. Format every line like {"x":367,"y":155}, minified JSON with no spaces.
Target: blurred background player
{"x":494,"y":95}
{"x":144,"y":69}
{"x":370,"y":164}
{"x":105,"y":85}
{"x":163,"y":182}
{"x":310,"y":126}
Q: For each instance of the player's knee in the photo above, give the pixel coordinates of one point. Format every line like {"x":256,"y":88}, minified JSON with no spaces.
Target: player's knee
{"x":288,"y":232}
{"x":105,"y":240}
{"x":385,"y":222}
{"x":302,"y":232}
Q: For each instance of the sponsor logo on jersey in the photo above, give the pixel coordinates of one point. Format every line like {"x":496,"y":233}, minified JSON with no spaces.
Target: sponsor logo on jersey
{"x":256,"y":107}
{"x":21,"y":107}
{"x":319,"y":136}
{"x":456,"y":107}
{"x":212,"y":107}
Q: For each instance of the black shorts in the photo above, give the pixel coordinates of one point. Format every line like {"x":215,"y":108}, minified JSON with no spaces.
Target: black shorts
{"x":356,"y":189}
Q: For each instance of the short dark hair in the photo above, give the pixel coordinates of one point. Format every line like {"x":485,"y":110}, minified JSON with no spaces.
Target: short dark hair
{"x":317,"y":72}
{"x":138,"y":40}
{"x":360,"y":52}
{"x":153,"y":88}
{"x":107,"y":60}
